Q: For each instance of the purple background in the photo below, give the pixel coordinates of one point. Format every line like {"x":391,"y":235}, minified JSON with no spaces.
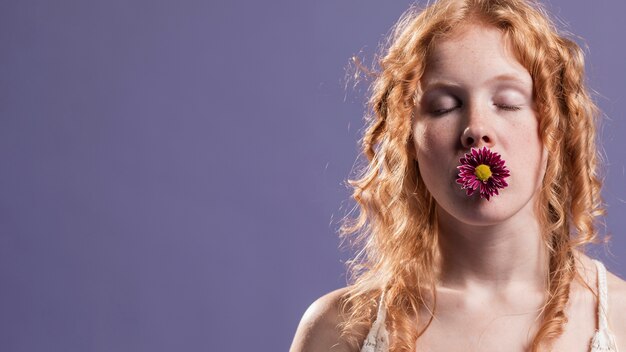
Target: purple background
{"x":172,"y":171}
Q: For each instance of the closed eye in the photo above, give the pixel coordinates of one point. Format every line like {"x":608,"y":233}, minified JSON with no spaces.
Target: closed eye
{"x":440,"y":111}
{"x":507,"y":107}
{"x":440,"y":102}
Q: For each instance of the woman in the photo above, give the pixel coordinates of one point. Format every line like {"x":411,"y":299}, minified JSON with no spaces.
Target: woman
{"x":480,"y":194}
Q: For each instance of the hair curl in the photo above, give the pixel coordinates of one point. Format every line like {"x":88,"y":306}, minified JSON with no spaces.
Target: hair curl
{"x":396,"y":227}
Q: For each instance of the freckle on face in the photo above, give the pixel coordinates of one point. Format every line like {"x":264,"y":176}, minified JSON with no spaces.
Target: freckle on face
{"x":472,"y":80}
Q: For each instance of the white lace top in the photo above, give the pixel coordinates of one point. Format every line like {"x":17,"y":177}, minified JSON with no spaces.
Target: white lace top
{"x":377,"y":339}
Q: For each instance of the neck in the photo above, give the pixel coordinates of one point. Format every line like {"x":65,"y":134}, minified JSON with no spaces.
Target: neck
{"x":506,"y":255}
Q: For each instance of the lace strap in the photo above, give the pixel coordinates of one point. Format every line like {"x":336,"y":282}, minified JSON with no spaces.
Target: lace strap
{"x":603,"y":305}
{"x":377,"y":339}
{"x":603,"y":340}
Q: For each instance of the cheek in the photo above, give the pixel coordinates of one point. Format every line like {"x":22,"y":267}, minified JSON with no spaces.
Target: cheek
{"x":430,"y":138}
{"x":418,"y":135}
{"x":543,"y":165}
{"x":529,"y":156}
{"x":432,"y":143}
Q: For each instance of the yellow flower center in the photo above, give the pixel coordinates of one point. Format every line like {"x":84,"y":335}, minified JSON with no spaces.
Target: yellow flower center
{"x":483,"y":172}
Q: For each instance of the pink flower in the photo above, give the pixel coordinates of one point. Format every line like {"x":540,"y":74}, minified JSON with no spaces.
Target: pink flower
{"x":484,"y":171}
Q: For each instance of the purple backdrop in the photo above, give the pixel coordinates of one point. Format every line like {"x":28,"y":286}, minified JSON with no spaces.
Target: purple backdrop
{"x":172,"y":170}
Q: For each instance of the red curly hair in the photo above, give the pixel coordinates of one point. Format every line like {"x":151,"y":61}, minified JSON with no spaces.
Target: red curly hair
{"x":395,"y":228}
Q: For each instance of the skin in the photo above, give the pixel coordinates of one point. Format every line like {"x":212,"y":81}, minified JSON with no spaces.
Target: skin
{"x":475,"y":93}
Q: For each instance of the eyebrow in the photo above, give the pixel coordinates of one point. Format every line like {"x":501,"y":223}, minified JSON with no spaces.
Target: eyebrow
{"x":436,"y":85}
{"x":508,"y":77}
{"x":505,"y":77}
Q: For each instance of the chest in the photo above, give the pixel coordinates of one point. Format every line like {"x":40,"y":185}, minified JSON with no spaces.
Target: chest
{"x":498,"y":329}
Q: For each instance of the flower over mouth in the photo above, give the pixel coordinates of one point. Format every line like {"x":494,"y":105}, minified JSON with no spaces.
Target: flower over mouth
{"x":484,"y":171}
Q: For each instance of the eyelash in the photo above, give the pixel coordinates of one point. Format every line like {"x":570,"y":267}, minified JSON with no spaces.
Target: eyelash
{"x":441,"y":112}
{"x":508,"y":107}
{"x":504,"y":107}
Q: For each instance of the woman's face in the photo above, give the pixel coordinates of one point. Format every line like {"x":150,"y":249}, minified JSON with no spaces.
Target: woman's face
{"x":475,"y":93}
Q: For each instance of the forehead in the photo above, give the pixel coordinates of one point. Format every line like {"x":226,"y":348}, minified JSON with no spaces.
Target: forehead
{"x":473,"y":53}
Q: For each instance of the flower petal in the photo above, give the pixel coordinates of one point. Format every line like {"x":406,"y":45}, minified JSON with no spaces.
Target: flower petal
{"x":468,"y":179}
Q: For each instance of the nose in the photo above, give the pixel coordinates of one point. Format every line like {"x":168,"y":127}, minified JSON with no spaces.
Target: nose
{"x":477,"y":133}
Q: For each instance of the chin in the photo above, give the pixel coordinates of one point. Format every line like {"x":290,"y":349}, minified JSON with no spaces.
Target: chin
{"x":476,"y":211}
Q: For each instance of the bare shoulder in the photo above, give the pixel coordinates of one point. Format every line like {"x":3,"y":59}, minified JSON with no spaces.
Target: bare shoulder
{"x":318,"y":329}
{"x":617,"y":309}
